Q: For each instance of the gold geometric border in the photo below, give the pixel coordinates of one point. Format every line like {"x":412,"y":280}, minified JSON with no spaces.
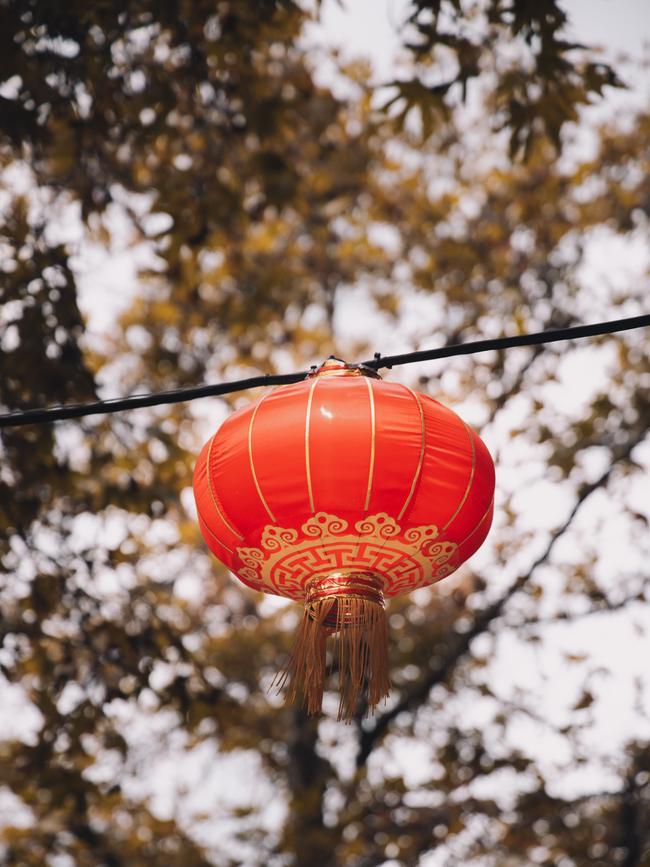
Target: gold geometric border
{"x":288,"y":560}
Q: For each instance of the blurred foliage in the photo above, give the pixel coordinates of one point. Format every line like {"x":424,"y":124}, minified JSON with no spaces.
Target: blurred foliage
{"x":262,"y":197}
{"x":538,"y":79}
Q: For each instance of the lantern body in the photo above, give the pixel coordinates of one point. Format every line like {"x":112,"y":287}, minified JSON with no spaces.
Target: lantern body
{"x":339,"y":491}
{"x":343,"y":472}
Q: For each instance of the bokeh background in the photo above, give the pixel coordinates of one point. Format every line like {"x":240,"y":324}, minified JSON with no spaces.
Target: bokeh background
{"x":199,"y":191}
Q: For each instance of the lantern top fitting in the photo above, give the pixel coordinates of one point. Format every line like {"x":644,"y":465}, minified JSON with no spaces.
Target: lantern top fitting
{"x":334,"y":366}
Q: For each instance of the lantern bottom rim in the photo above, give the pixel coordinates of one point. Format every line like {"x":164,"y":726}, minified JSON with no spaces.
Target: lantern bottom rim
{"x":340,"y":588}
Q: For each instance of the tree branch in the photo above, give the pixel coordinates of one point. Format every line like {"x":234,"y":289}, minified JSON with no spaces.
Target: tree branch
{"x":370,"y":737}
{"x":603,"y":607}
{"x":630,"y":822}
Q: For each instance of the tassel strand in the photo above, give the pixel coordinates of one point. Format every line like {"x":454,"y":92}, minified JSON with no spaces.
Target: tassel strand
{"x":353,"y":610}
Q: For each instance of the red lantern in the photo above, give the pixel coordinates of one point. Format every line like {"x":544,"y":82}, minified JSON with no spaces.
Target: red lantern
{"x":340,"y":491}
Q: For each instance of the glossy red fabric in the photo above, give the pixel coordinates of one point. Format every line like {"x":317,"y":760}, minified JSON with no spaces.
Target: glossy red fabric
{"x":339,"y":472}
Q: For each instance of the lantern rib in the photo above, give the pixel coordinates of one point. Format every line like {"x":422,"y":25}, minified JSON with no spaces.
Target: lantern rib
{"x":61,"y":412}
{"x":307,"y":459}
{"x":212,"y":533}
{"x":469,"y":483}
{"x":252,"y":464}
{"x":418,"y":470}
{"x":371,"y":470}
{"x":221,"y":512}
{"x":480,"y":524}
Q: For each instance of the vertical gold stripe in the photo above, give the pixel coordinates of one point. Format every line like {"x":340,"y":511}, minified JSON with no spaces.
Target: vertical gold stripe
{"x":471,"y":478}
{"x":250,"y":460}
{"x":214,"y":536}
{"x":214,"y":499}
{"x":421,"y":458}
{"x":371,"y":470}
{"x":307,"y":462}
{"x":480,"y":523}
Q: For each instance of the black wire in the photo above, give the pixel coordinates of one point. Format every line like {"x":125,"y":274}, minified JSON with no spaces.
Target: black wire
{"x":538,"y":337}
{"x":117,"y":404}
{"x":104,"y":407}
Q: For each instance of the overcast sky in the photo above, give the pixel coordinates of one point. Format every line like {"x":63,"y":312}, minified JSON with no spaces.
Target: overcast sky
{"x":371,"y":27}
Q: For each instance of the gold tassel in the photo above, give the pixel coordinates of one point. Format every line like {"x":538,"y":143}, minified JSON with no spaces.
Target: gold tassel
{"x":351,"y":606}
